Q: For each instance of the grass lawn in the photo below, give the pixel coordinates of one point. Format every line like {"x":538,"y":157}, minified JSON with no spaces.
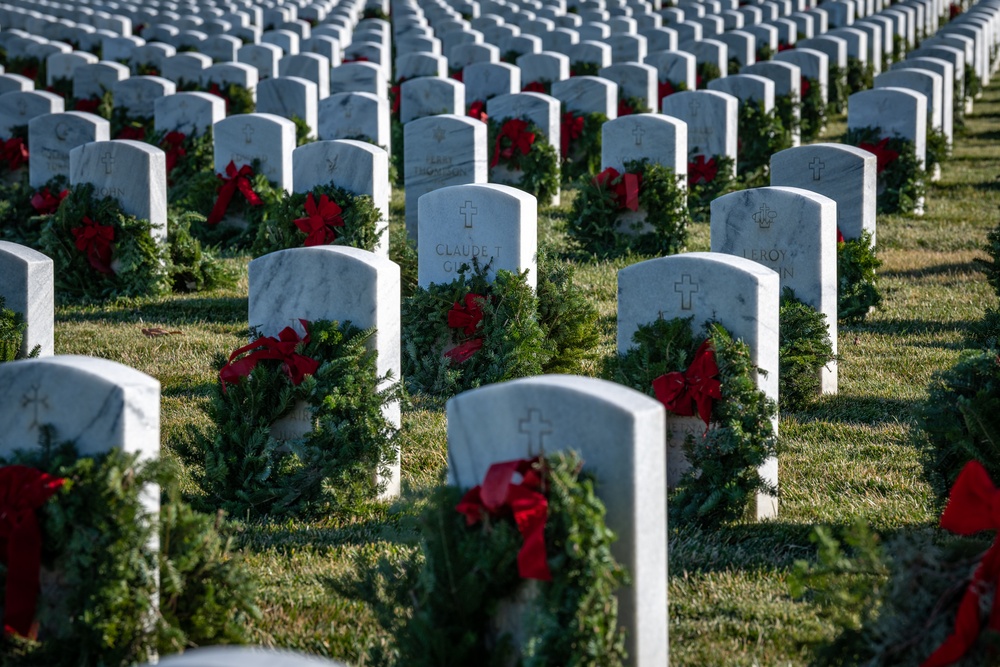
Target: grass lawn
{"x":851,"y":455}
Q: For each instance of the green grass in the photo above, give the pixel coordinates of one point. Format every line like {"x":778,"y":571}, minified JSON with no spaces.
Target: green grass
{"x":854,"y":454}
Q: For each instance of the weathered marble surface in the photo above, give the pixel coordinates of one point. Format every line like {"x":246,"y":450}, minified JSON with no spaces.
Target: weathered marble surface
{"x":189,"y":113}
{"x":243,"y":656}
{"x":53,"y":136}
{"x":18,"y":108}
{"x":27,"y":287}
{"x":257,"y":136}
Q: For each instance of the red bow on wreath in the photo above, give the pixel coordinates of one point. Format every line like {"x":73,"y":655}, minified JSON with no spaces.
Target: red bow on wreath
{"x":296,"y":366}
{"x":804,"y":85}
{"x":15,"y":152}
{"x":23,"y":491}
{"x":499,"y":496}
{"x":214,"y":89}
{"x":465,"y":351}
{"x":469,"y":316}
{"x":625,"y":109}
{"x":624,"y":186}
{"x":571,"y":129}
{"x":534,"y":87}
{"x":95,"y":240}
{"x":665,"y":88}
{"x":173,"y":144}
{"x":89,"y":105}
{"x":883,"y":154}
{"x":782,"y":46}
{"x":395,"y":93}
{"x":47,"y":203}
{"x":516,"y":132}
{"x":237,"y":180}
{"x":320,"y":221}
{"x":478,"y":111}
{"x":972,"y":507}
{"x":701,"y":170}
{"x":681,"y":393}
{"x":840,"y":236}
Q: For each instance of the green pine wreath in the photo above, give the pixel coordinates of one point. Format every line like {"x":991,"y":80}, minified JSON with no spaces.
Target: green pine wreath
{"x":468,"y":570}
{"x":539,"y":169}
{"x":96,"y":533}
{"x":197,"y":158}
{"x":583,"y":159}
{"x":860,"y":75}
{"x":20,"y":221}
{"x":901,"y":182}
{"x":593,"y":223}
{"x":701,"y":193}
{"x":762,"y":134}
{"x":813,"y":118}
{"x":361,"y":221}
{"x":837,"y":91}
{"x":804,"y":348}
{"x":857,"y":282}
{"x":723,"y":481}
{"x":12,"y":328}
{"x":250,"y":473}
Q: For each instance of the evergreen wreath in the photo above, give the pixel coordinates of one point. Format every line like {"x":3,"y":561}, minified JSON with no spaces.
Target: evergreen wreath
{"x":96,"y":534}
{"x":585,"y":68}
{"x":836,"y":94}
{"x":201,"y":191}
{"x":493,"y":327}
{"x":14,"y":154}
{"x":249,"y":472}
{"x":535,"y":159}
{"x":706,"y":72}
{"x":239,"y":99}
{"x":29,"y":66}
{"x":335,"y":217}
{"x":24,"y":210}
{"x":12,"y":328}
{"x":973,"y":86}
{"x":188,"y":155}
{"x":804,"y":349}
{"x":628,"y":105}
{"x":125,"y":126}
{"x":785,"y":107}
{"x":101,"y":105}
{"x":397,"y":163}
{"x":857,"y":283}
{"x":860,"y":75}
{"x":468,"y":570}
{"x":936,"y":148}
{"x":900,"y":174}
{"x":601,"y":201}
{"x":723,"y":481}
{"x":708,"y":179}
{"x":580,"y":136}
{"x":813,"y":109}
{"x":762,"y":134}
{"x":568,"y":317}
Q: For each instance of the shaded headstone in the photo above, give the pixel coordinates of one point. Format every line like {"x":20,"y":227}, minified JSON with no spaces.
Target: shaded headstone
{"x":53,"y":136}
{"x":711,"y":118}
{"x":289,"y":97}
{"x":188,"y":113}
{"x":18,"y":108}
{"x":265,"y":137}
{"x":430,"y":96}
{"x":27,"y":287}
{"x":355,"y":116}
{"x":137,"y":95}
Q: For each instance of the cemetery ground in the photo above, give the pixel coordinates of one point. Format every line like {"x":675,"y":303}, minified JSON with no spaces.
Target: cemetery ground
{"x":856,"y":454}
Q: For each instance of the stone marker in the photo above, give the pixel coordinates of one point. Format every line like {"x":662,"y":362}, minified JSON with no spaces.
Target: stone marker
{"x":358,"y":77}
{"x":53,"y":136}
{"x":243,"y":138}
{"x":310,"y":66}
{"x":814,"y":65}
{"x":264,"y":57}
{"x":355,"y":116}
{"x":188,"y":113}
{"x":927,"y":83}
{"x":333,"y":283}
{"x":711,"y":118}
{"x":62,"y":65}
{"x":792,"y":231}
{"x":138,"y":95}
{"x":540,"y":109}
{"x":289,"y":97}
{"x":186,"y":67}
{"x":27,"y":288}
{"x":845,"y":174}
{"x":242,"y":656}
{"x":493,"y":224}
{"x":430,"y":96}
{"x":132,"y":172}
{"x":588,"y":94}
{"x":702,"y":285}
{"x":18,"y":108}
{"x":487,"y":80}
{"x":356,"y":166}
{"x":96,"y":403}
{"x":896,"y":111}
{"x":619,"y":434}
{"x":10,"y":83}
{"x":635,"y":81}
{"x":440,"y":151}
{"x":654,"y":137}
{"x":411,"y":65}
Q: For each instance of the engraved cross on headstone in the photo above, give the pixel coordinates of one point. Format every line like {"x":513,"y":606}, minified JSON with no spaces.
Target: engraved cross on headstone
{"x":765,"y":216}
{"x":348,"y":109}
{"x":817,"y":167}
{"x":22,"y":108}
{"x":686,"y":287}
{"x":108,"y":161}
{"x":637,"y":132}
{"x":331,"y":164}
{"x":34,"y":398}
{"x":439,"y":134}
{"x":248,"y":133}
{"x":536,"y":429}
{"x":469,"y":211}
{"x":693,"y":107}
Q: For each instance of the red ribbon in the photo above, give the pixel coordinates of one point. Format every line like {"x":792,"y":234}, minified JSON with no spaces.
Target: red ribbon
{"x":465,"y":351}
{"x":294,"y":365}
{"x":214,"y":89}
{"x":173,"y":144}
{"x":702,"y":171}
{"x":534,"y":87}
{"x":782,"y":46}
{"x":516,"y":132}
{"x":804,"y":85}
{"x":355,"y":59}
{"x":883,"y":154}
{"x":665,"y":88}
{"x":23,"y":491}
{"x":132,"y":132}
{"x":320,"y":221}
{"x":624,"y":186}
{"x":469,"y":316}
{"x":395,"y":93}
{"x":625,"y":109}
{"x":89,"y":105}
{"x":840,"y":236}
{"x":681,"y":393}
{"x":478,"y":110}
{"x":47,"y":203}
{"x":237,"y":180}
{"x":973,"y":506}
{"x":15,"y":152}
{"x":499,"y":496}
{"x":457,"y":76}
{"x":571,"y":129}
{"x":30,"y":71}
{"x":95,"y":240}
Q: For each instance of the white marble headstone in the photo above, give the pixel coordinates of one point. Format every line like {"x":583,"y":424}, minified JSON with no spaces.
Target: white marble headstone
{"x":355,"y":116}
{"x":243,"y":138}
{"x":189,"y":113}
{"x":18,"y":108}
{"x":290,"y":97}
{"x":27,"y":287}
{"x":53,"y":136}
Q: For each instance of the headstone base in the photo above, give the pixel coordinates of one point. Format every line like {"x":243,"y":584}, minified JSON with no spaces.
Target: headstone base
{"x":510,"y":616}
{"x":627,"y":220}
{"x":295,"y":425}
{"x":507,"y":176}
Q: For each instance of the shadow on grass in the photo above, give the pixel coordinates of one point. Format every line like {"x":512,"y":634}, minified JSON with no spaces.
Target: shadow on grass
{"x":911,"y":326}
{"x":850,"y":409}
{"x":220,"y":310}
{"x":948,"y":268}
